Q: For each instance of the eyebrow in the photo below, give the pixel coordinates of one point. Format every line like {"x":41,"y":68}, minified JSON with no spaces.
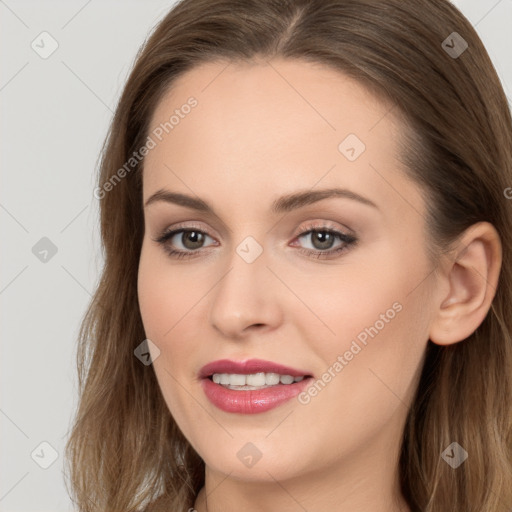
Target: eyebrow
{"x":286,"y":203}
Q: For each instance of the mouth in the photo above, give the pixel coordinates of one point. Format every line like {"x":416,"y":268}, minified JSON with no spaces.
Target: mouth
{"x":254,"y":381}
{"x":252,"y":386}
{"x":250,"y":368}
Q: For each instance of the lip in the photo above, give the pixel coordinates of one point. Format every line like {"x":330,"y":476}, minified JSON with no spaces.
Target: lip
{"x":249,"y":366}
{"x":250,"y":401}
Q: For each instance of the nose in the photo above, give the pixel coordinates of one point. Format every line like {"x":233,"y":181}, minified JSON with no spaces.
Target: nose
{"x":246,"y":299}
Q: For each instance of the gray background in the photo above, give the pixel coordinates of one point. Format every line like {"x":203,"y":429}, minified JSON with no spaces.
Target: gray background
{"x":54,"y":117}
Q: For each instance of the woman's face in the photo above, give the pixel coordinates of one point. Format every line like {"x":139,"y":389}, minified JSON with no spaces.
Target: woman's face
{"x":252,"y":284}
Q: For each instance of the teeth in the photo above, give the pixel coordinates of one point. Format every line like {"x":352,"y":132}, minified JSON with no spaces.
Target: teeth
{"x":253,"y":380}
{"x":223,"y":378}
{"x":237,"y":380}
{"x":271,"y":379}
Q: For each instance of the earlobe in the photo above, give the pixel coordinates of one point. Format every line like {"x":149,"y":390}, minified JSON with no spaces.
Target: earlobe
{"x":471,"y":276}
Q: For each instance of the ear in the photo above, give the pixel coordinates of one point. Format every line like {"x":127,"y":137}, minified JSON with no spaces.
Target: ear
{"x":471,"y":277}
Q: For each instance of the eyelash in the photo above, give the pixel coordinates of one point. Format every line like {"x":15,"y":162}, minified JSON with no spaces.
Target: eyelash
{"x":348,"y":240}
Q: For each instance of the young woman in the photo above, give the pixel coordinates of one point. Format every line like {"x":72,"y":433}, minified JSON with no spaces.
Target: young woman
{"x":306,"y":302}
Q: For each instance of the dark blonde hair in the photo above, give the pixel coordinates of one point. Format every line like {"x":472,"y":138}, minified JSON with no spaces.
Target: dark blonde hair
{"x":125,"y":452}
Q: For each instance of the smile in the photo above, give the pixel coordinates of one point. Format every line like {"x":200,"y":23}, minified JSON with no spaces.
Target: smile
{"x":251,"y":386}
{"x":259,"y":380}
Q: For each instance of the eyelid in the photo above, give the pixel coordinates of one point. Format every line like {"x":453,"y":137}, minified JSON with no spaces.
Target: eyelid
{"x":185,"y":226}
{"x":323,"y":225}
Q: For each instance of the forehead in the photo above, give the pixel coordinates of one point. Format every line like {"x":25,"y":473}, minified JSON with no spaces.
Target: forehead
{"x":307,"y":96}
{"x":264,"y":127}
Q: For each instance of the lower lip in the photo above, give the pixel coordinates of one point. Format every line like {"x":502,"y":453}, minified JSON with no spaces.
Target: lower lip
{"x":251,"y":401}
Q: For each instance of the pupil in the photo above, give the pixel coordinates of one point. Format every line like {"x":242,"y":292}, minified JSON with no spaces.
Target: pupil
{"x":197,"y":239}
{"x":325,"y":239}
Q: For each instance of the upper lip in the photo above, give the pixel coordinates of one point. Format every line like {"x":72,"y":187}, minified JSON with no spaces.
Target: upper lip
{"x":247,"y":367}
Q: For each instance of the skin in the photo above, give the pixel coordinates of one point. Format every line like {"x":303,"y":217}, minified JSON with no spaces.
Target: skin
{"x":262,"y":130}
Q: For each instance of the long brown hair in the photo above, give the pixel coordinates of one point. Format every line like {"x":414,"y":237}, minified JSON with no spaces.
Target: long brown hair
{"x":125,"y":452}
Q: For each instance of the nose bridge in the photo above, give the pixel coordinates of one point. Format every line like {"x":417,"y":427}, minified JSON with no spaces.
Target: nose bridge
{"x":244,"y":295}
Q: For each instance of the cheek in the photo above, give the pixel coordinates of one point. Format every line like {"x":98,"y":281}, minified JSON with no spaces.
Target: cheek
{"x":166,"y":317}
{"x":370,"y":382}
{"x":163,"y":293}
{"x":370,"y":292}
{"x":367,"y":328}
{"x":162,"y":307}
{"x":341,"y":301}
{"x":373,"y":355}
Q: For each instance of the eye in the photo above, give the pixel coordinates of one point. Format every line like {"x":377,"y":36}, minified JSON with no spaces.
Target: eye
{"x":322,"y":240}
{"x":191,"y":239}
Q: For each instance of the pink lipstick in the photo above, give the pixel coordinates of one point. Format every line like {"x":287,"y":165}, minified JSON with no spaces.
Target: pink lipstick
{"x":252,"y":386}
